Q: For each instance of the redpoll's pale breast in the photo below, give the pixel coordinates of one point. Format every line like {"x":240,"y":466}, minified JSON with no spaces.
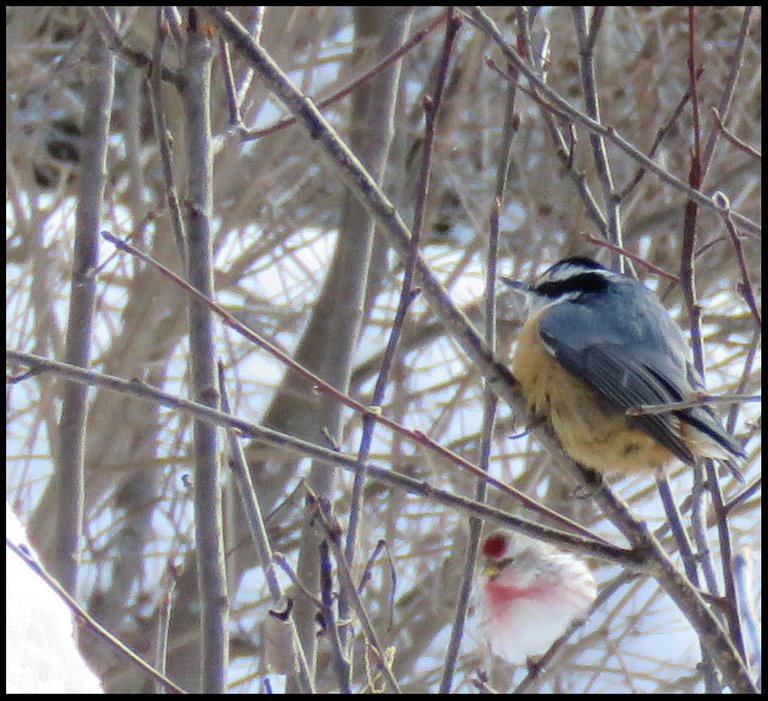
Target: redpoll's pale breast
{"x":530,"y":593}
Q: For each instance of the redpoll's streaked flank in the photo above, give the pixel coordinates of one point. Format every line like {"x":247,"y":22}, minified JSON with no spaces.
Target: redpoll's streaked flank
{"x":531,"y":592}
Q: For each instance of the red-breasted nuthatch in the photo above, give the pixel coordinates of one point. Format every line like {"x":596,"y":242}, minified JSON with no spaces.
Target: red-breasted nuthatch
{"x":596,"y":344}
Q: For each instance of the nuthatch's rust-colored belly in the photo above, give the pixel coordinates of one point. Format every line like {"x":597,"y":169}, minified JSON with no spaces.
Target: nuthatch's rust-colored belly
{"x":593,"y":430}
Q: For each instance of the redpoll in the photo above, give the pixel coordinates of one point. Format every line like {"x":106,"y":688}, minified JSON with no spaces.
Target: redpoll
{"x":531,"y":592}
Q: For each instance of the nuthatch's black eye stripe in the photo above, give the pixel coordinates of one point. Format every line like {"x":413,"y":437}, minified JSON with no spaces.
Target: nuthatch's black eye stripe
{"x":584,"y":283}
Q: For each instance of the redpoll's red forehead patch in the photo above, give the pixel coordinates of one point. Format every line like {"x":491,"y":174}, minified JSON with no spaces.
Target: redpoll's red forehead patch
{"x":495,"y":545}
